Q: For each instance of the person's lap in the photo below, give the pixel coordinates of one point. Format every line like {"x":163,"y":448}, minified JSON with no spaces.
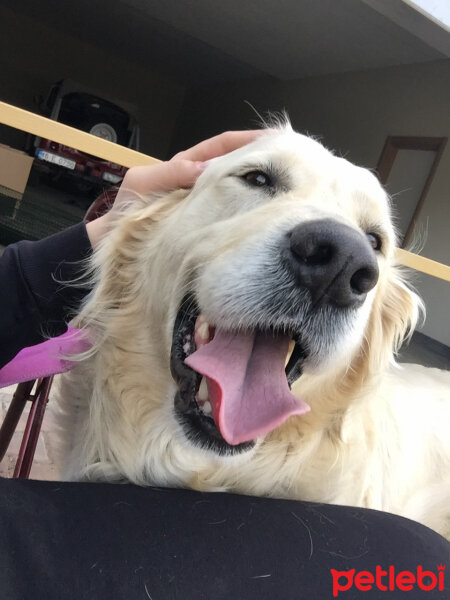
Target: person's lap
{"x":104,"y":541}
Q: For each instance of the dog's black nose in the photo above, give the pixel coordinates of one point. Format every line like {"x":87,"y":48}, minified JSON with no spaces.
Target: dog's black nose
{"x":333,"y":261}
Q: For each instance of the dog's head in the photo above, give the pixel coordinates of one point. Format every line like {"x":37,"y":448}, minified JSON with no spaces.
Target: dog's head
{"x":270,"y":285}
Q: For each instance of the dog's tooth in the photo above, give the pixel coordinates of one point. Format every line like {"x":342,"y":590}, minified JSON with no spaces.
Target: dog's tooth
{"x":203,"y":331}
{"x":199,"y":322}
{"x":207,"y":408}
{"x":203,"y":390}
{"x":290,"y":351}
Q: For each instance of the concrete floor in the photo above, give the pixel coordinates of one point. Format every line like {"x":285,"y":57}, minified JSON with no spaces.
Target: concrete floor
{"x":40,"y":212}
{"x":45,"y":464}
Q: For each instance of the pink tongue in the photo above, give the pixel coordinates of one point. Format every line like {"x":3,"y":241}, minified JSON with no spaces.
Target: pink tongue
{"x":247,"y":385}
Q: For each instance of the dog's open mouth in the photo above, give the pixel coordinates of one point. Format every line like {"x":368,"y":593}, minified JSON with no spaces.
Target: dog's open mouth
{"x":233,"y":386}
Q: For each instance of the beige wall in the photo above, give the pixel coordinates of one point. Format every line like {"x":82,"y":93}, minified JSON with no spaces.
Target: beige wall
{"x":354,"y":113}
{"x":33,"y":57}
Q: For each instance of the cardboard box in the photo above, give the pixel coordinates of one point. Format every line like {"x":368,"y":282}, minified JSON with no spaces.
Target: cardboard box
{"x":15,"y":167}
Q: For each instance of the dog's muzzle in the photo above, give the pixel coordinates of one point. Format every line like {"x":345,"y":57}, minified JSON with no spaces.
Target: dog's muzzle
{"x":235,"y":387}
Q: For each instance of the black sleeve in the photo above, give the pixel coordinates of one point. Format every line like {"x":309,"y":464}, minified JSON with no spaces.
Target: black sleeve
{"x":34,"y":304}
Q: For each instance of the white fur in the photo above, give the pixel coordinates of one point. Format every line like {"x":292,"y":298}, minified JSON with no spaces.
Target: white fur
{"x":376,"y":435}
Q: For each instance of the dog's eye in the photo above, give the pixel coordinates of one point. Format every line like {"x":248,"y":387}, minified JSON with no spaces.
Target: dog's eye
{"x":374,"y":240}
{"x":258,"y":179}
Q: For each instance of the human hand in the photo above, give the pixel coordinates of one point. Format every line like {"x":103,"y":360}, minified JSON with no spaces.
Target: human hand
{"x":181,"y":171}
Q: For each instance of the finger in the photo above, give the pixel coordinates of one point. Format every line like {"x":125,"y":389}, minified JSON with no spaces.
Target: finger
{"x":162,"y":177}
{"x":219,"y":145}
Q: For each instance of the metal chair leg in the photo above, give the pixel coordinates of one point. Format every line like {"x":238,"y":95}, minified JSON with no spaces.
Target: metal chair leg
{"x":15,"y":410}
{"x":32,"y":429}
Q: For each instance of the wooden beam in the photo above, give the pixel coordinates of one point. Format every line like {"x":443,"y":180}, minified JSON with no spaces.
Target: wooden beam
{"x":69,"y":136}
{"x":425,"y":265}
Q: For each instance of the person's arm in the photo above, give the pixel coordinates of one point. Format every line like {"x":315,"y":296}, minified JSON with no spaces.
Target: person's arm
{"x":34,"y":304}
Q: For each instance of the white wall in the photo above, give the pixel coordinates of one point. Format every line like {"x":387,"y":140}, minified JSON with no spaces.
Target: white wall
{"x":33,"y":57}
{"x":354,"y":113}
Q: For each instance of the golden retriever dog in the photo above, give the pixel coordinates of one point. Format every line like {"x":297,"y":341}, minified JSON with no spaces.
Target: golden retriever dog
{"x":243,"y":339}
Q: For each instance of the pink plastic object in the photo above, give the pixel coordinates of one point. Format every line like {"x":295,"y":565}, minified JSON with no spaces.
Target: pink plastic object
{"x":44,"y":359}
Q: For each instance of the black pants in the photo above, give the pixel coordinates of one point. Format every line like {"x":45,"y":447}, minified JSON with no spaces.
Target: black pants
{"x":105,"y":542}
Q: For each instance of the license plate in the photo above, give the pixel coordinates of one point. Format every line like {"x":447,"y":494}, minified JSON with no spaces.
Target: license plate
{"x":56,"y":160}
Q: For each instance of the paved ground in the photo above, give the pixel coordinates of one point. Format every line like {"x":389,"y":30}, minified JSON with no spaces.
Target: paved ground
{"x":41,"y":211}
{"x":45,"y":461}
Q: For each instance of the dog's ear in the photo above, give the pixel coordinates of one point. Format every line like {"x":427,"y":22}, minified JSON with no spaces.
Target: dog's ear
{"x":151,"y":207}
{"x":113,"y":271}
{"x":394,"y":316}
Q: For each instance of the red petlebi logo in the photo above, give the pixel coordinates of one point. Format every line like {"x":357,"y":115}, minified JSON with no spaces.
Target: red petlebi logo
{"x":388,"y":579}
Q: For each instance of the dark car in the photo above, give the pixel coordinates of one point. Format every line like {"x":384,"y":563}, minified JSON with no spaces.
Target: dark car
{"x":94,"y":115}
